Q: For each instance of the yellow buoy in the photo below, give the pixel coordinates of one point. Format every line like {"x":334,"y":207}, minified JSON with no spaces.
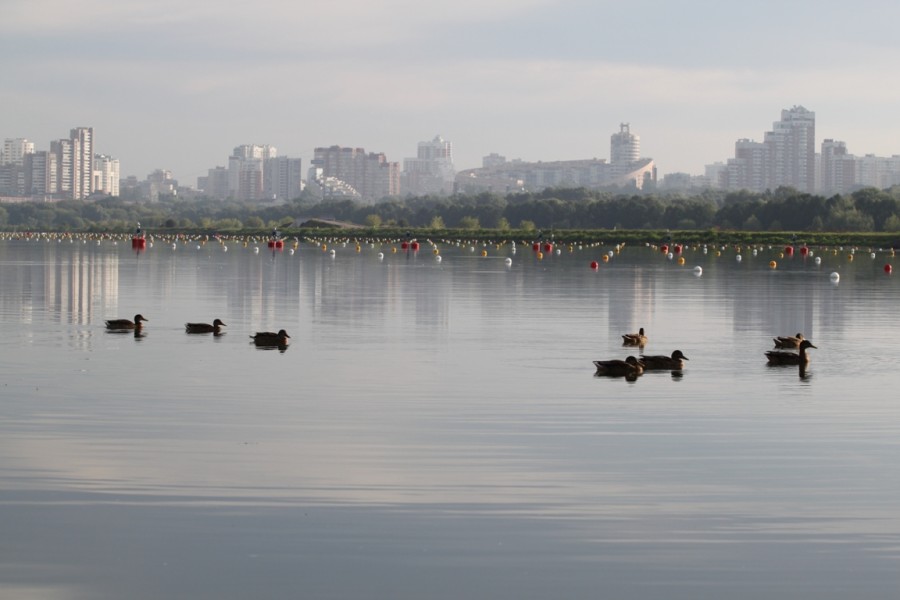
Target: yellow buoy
{"x":773,"y":264}
{"x":484,"y":252}
{"x":681,"y":260}
{"x":540,"y":256}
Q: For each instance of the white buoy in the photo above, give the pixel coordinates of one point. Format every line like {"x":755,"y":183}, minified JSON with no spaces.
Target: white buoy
{"x":174,"y":246}
{"x":438,"y":258}
{"x":670,"y":256}
{"x":738,"y":258}
{"x":224,"y":248}
{"x":610,"y":254}
{"x":291,"y":251}
{"x":754,"y":252}
{"x":198,"y":246}
{"x":381,"y":256}
{"x":818,"y":260}
{"x":508,"y":261}
{"x":873,"y":255}
{"x":256,"y":250}
{"x":698,"y":270}
{"x":333,"y":253}
{"x":835,"y":277}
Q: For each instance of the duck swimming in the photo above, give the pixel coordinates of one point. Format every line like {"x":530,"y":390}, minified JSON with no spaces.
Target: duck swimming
{"x":661,"y":362}
{"x":630,"y":367}
{"x":204,"y":327}
{"x":782,"y":357}
{"x":269,"y":338}
{"x":125,"y":323}
{"x":788,"y":341}
{"x":635,"y":339}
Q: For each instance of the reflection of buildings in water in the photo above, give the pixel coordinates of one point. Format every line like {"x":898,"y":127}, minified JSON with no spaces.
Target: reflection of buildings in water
{"x":65,"y":280}
{"x":782,"y":303}
{"x":633,"y":303}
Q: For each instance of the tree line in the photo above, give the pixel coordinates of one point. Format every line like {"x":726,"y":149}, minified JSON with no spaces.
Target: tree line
{"x":784,"y":209}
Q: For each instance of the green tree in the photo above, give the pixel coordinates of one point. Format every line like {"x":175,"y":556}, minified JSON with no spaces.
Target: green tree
{"x":373,"y":220}
{"x":469,"y":222}
{"x":437,"y":223}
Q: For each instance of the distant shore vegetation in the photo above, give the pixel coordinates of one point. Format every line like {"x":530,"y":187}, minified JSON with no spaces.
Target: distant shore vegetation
{"x":867,"y":216}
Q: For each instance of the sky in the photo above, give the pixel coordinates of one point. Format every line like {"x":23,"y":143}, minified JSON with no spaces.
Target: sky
{"x":177,"y":85}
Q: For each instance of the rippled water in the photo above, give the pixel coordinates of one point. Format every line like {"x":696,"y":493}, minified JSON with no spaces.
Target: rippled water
{"x":435,"y":429}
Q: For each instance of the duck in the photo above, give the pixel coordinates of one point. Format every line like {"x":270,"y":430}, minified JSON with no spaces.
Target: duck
{"x":204,"y":327}
{"x":635,"y":339}
{"x":782,"y":357}
{"x":661,"y":362}
{"x":125,"y":323}
{"x":269,"y":338}
{"x":630,"y":367}
{"x":788,"y":341}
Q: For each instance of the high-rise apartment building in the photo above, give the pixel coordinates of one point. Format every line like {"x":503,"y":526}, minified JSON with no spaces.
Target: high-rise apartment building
{"x":625,"y":147}
{"x":106,"y":175}
{"x":431,"y":171}
{"x":786,"y":157}
{"x":792,"y":150}
{"x":82,"y":139}
{"x":62,"y":149}
{"x":371,"y":175}
{"x":282,"y":178}
{"x":15,"y":150}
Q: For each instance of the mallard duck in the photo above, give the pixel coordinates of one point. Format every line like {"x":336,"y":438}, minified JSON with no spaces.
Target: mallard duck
{"x":661,"y":362}
{"x":782,"y":357}
{"x":125,"y":323}
{"x":788,"y":341}
{"x":269,"y":338}
{"x":635,"y":339}
{"x":204,"y":327}
{"x":630,"y":367}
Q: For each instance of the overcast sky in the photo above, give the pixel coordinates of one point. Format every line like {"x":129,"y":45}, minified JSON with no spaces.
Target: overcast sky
{"x":177,"y":84}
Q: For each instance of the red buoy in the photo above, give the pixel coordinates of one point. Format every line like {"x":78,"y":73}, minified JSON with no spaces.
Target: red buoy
{"x":595,"y":265}
{"x":415,"y":246}
{"x":535,"y":246}
{"x":678,"y":248}
{"x":548,"y":247}
{"x":138,"y":243}
{"x":664,"y":248}
{"x":404,"y":246}
{"x":888,"y":269}
{"x":804,"y":251}
{"x":788,"y":250}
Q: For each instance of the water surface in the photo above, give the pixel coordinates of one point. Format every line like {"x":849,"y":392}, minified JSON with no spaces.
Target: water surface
{"x":435,"y":429}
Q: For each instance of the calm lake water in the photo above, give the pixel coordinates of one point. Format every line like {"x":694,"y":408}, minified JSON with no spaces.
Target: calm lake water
{"x":435,"y":430}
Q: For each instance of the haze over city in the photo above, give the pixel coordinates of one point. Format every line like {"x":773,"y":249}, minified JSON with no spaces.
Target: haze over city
{"x":177,"y":85}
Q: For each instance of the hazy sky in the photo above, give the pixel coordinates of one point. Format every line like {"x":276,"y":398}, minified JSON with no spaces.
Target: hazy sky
{"x":178,"y":84}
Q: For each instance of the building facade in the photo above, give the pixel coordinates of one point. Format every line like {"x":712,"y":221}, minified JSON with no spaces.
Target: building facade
{"x":370,"y":174}
{"x":431,"y":172}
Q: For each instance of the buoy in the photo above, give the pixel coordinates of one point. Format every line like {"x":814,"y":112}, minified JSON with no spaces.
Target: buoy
{"x":789,"y":250}
{"x":680,"y":260}
{"x":888,"y":269}
{"x":606,"y":258}
{"x":535,"y":246}
{"x":484,"y":253}
{"x":772,"y":264}
{"x":804,"y":250}
{"x":404,"y":246}
{"x":818,"y":260}
{"x":415,"y":246}
{"x":664,"y":249}
{"x":438,"y":258}
{"x":595,"y":264}
{"x":540,"y":255}
{"x":698,"y":270}
{"x":670,"y":256}
{"x":738,"y":258}
{"x":508,"y":261}
{"x":381,"y":256}
{"x":835,"y":277}
{"x":548,"y":247}
{"x":333,"y":253}
{"x":873,"y":255}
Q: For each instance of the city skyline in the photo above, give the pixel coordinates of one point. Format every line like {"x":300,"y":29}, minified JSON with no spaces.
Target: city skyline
{"x":174,"y":86}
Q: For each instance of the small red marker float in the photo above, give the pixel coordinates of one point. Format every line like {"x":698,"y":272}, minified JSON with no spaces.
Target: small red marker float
{"x":804,"y":251}
{"x":788,"y":250}
{"x":595,"y":265}
{"x":888,"y":269}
